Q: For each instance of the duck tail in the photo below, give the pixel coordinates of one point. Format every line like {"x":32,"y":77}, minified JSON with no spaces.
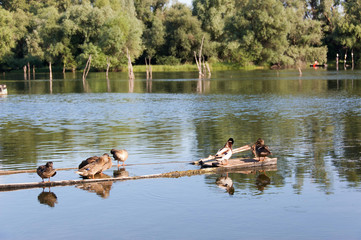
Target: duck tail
{"x":80,"y":173}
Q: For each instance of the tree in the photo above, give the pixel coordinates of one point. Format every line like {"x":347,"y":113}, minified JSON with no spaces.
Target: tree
{"x":305,"y":37}
{"x":7,"y":33}
{"x":183,"y":33}
{"x":348,"y":30}
{"x":261,"y":31}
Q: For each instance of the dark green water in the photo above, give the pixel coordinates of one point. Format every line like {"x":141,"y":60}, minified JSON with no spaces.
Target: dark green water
{"x":311,"y":123}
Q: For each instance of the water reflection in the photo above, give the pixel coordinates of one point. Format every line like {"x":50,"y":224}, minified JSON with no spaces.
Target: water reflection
{"x":48,"y":198}
{"x":102,"y":189}
{"x":262,"y":180}
{"x":225,"y":183}
{"x":120,"y":172}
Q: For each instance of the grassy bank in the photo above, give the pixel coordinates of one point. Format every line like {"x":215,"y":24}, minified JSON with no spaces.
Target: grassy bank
{"x":193,"y":67}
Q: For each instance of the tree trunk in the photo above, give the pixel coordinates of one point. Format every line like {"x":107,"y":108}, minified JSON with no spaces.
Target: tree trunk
{"x":146,"y":68}
{"x":24,"y":68}
{"x":130,"y":66}
{"x":87,"y":67}
{"x":50,"y":72}
{"x":108,"y":66}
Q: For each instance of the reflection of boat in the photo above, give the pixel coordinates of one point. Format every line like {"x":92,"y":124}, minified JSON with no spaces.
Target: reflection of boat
{"x":48,"y":198}
{"x":225,"y":183}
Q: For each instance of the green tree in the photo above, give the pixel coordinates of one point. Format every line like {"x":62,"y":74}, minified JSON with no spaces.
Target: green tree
{"x":7,"y":33}
{"x":305,"y":36}
{"x":348,"y":30}
{"x":260,"y":31}
{"x":183,"y":33}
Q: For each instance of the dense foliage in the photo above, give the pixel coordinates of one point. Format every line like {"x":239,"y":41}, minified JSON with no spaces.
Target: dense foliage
{"x":264,"y":32}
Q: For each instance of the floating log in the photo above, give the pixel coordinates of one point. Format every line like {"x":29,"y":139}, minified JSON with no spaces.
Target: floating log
{"x":8,"y":172}
{"x":239,"y":163}
{"x":174,"y":174}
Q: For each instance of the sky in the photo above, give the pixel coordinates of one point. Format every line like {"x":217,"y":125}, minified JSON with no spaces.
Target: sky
{"x":188,"y":2}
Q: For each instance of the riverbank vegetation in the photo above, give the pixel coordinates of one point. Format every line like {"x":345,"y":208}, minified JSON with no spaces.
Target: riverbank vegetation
{"x":242,"y":33}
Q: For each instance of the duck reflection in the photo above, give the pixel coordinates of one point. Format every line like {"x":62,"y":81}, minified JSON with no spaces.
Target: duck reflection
{"x":262,"y":180}
{"x":225,"y":183}
{"x":120,"y":172}
{"x":102,"y":189}
{"x":48,"y":198}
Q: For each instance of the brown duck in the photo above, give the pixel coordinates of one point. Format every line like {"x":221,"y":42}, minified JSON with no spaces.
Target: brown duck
{"x":98,"y":166}
{"x":46,"y":171}
{"x":259,"y":149}
{"x":119,"y":155}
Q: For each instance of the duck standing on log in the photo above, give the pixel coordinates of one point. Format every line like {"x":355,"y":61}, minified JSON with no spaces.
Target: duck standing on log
{"x":225,"y":153}
{"x":46,"y":171}
{"x":119,"y":155}
{"x":259,"y":149}
{"x":98,"y":166}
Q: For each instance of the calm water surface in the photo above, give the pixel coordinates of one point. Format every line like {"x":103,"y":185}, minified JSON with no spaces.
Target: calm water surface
{"x":311,"y":123}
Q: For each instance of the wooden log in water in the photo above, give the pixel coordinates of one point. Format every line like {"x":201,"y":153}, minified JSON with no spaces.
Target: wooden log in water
{"x":240,"y":163}
{"x":175,"y":174}
{"x":212,"y":157}
{"x":46,"y":184}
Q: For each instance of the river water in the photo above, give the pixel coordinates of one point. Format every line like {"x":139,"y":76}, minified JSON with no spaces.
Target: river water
{"x":312,"y":123}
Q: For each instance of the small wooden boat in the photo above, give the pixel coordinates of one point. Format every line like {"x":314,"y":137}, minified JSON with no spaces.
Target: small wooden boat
{"x":239,"y":163}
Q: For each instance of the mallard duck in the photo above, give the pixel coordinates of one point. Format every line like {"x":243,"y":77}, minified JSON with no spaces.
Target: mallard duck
{"x":108,"y":162}
{"x":46,"y":171}
{"x":119,"y":155}
{"x":259,"y":149}
{"x":87,"y":161}
{"x":97,"y":166}
{"x":262,"y":181}
{"x":225,"y":153}
{"x":226,"y":183}
{"x":48,"y":198}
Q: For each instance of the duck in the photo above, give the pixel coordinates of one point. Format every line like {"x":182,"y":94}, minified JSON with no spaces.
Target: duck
{"x":98,"y":166}
{"x":108,"y":162}
{"x":225,"y":153}
{"x":46,"y":171}
{"x":119,"y":155}
{"x":87,"y":161}
{"x":226,"y":183}
{"x":259,"y":149}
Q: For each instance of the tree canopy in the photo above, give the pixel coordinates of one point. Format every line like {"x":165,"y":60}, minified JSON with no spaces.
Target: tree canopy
{"x":265,"y":32}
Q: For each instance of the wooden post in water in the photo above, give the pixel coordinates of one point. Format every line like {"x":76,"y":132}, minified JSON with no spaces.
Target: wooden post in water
{"x":337,"y":61}
{"x":146,"y":68}
{"x":50,"y":72}
{"x":108,"y":66}
{"x":130,"y":67}
{"x":29,"y":70}
{"x":87,"y":67}
{"x":24,"y":68}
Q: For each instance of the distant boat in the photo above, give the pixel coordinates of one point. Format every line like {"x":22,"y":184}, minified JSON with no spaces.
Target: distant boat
{"x":3,"y":89}
{"x":318,"y":65}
